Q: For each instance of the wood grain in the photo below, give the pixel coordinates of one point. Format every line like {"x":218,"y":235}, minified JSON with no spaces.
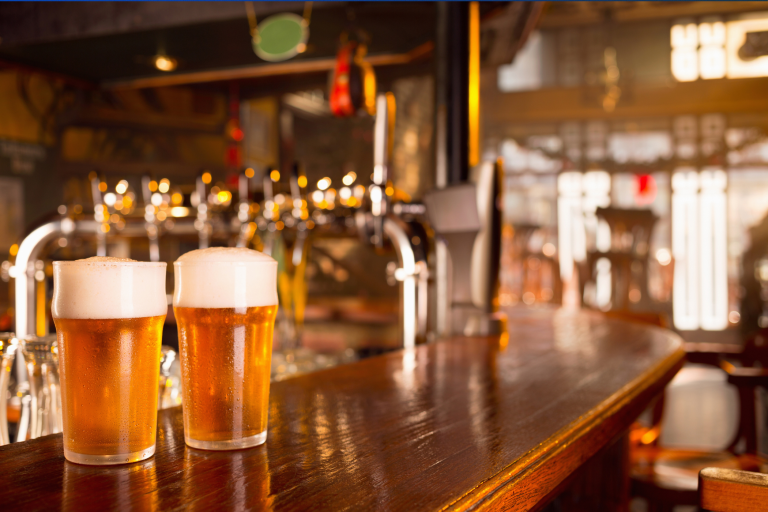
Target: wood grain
{"x":463,"y":424}
{"x":731,"y":490}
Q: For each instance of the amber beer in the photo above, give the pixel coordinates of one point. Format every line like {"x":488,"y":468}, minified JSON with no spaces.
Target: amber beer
{"x":225,"y":303}
{"x":109,"y":315}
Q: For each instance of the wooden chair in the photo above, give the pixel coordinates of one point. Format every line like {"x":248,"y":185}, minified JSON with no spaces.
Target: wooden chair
{"x":730,"y":490}
{"x":668,"y":477}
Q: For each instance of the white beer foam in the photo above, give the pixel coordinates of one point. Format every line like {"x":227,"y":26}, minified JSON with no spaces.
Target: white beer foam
{"x":225,"y":277}
{"x":103,"y":288}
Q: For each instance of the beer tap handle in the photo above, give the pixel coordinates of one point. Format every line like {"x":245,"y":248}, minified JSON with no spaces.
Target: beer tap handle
{"x":146,"y":194}
{"x":269,"y":194}
{"x":382,"y":149}
{"x":95,"y":192}
{"x":99,"y":214}
{"x":200,"y":188}
{"x":201,"y":224}
{"x":295,"y":189}
{"x":242,"y":188}
{"x":269,"y":198}
{"x":244,"y":210}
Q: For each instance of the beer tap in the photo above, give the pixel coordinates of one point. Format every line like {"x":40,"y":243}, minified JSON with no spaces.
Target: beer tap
{"x":201,"y":223}
{"x":382,"y":152}
{"x":296,"y":211}
{"x":150,"y":219}
{"x":243,"y":211}
{"x":268,"y":212}
{"x":99,"y":216}
{"x":411,"y":269}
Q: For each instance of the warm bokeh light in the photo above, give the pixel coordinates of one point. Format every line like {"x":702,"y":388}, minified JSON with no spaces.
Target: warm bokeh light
{"x":206,"y":177}
{"x":179,"y":211}
{"x":274,"y":175}
{"x":324,"y":183}
{"x":103,"y":186}
{"x":302,"y":181}
{"x":152,"y":186}
{"x":249,"y":173}
{"x":110,"y":198}
{"x":164,"y":186}
{"x":664,"y":257}
{"x":349,"y":178}
{"x":177,"y":198}
{"x":330,"y":198}
{"x":14,"y":250}
{"x":390,"y":191}
{"x":224,"y":196}
{"x":121,"y":187}
{"x":165,"y":63}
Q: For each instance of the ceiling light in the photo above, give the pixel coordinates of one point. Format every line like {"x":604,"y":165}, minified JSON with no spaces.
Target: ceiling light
{"x":165,"y":63}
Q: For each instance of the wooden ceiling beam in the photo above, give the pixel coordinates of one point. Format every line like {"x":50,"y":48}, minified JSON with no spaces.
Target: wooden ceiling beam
{"x":266,"y":70}
{"x":744,"y":95}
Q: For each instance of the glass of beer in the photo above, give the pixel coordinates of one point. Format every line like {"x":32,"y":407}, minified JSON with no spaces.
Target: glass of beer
{"x":225,"y":303}
{"x":109,"y":315}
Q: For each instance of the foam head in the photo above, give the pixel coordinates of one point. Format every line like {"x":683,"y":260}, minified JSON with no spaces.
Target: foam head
{"x":102,"y":288}
{"x":225,"y":277}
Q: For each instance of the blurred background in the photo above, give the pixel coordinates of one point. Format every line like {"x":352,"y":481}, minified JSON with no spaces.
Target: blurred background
{"x":624,"y":145}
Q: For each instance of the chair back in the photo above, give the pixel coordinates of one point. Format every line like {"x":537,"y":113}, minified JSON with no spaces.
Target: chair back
{"x":701,"y":410}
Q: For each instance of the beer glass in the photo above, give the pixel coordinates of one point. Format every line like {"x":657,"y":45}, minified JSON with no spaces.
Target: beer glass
{"x":109,"y":315}
{"x":225,"y":302}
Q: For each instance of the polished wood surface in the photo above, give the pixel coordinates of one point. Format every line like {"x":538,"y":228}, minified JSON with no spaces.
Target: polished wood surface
{"x":728,"y":490}
{"x":463,"y":424}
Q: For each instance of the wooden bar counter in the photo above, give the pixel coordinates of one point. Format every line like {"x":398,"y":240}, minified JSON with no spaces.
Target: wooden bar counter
{"x":462,"y":424}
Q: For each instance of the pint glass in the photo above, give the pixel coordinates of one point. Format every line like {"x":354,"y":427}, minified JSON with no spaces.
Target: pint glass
{"x":109,"y":315}
{"x":225,"y":302}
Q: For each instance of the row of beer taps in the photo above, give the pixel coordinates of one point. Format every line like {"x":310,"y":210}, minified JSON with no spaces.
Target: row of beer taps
{"x":211,"y":211}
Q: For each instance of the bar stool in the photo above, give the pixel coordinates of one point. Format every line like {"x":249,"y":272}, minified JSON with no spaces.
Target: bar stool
{"x":667,"y":477}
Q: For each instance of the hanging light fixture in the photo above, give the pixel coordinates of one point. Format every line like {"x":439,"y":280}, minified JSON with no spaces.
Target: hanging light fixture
{"x":279,"y":37}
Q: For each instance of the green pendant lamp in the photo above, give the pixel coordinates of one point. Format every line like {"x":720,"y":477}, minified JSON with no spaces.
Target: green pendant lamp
{"x":281,"y":36}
